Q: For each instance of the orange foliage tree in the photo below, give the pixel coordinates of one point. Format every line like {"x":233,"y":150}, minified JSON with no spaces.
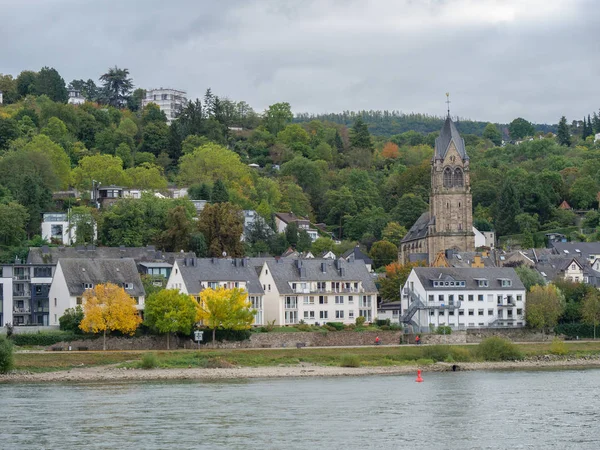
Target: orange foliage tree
{"x":390,"y":151}
{"x":395,"y":277}
{"x":108,"y":307}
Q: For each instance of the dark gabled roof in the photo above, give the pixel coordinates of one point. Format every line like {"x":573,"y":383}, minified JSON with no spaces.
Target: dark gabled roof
{"x":219,"y":270}
{"x":358,"y":254}
{"x":470,"y":275}
{"x":583,"y":249}
{"x":554,"y":266}
{"x":419,"y":229}
{"x":285,"y":271}
{"x":465,"y":259}
{"x":51,"y":255}
{"x":290,"y":217}
{"x":449,"y":134}
{"x":78,"y":271}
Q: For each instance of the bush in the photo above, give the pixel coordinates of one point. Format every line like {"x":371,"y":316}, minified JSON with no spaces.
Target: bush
{"x":443,"y":330}
{"x":350,"y":361}
{"x":436,"y":352}
{"x":149,"y":361}
{"x":460,"y":354}
{"x":498,"y":349}
{"x":71,"y":319}
{"x":225,"y":335}
{"x":424,"y":362}
{"x":303,"y":327}
{"x":270,"y":326}
{"x":46,"y":338}
{"x":6,"y":355}
{"x":575,"y":329}
{"x":383,"y":322}
{"x":360,"y":321}
{"x":337,"y":326}
{"x":558,"y":347}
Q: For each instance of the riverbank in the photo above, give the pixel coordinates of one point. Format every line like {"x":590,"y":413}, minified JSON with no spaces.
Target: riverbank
{"x":117,"y":374}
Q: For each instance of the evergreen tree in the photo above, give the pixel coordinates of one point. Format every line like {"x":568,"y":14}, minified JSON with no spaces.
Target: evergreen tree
{"x":338,"y":143}
{"x":360,"y":136}
{"x":596,"y":123}
{"x":563,"y":135}
{"x":50,"y":83}
{"x":219,"y":193}
{"x":507,"y":209}
{"x":491,"y":132}
{"x":584,"y":131}
{"x":291,"y":234}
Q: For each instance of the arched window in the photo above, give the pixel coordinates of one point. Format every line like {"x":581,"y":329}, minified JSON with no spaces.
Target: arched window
{"x":447,"y":177}
{"x":458,"y":177}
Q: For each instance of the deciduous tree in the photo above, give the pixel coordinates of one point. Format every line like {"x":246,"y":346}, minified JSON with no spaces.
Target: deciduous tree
{"x":222,"y":226}
{"x":226,"y":309}
{"x":545,"y":305}
{"x":590,"y":310}
{"x":383,"y":253}
{"x":169,"y":311}
{"x":108,"y":308}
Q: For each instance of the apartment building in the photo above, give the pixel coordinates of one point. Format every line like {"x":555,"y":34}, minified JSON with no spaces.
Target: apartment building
{"x":170,"y":101}
{"x":317,"y":291}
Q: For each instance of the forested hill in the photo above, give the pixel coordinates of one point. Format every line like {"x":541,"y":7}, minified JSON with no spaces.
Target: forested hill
{"x":388,"y":123}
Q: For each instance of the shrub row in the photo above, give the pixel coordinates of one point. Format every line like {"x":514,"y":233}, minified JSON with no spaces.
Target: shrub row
{"x":225,"y":335}
{"x":47,"y":338}
{"x":576,"y":329}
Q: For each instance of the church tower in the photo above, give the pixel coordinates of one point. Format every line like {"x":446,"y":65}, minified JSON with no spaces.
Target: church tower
{"x":450,"y":204}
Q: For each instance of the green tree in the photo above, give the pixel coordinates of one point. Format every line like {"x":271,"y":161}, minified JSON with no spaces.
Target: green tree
{"x":227,"y":309}
{"x":13,"y":218}
{"x":152,"y":113}
{"x":304,"y":241}
{"x":340,"y":203}
{"x":394,"y":232}
{"x":155,"y":138}
{"x":491,"y":132}
{"x":177,"y":236}
{"x":219,"y":193}
{"x":8,"y":86}
{"x":222,"y":226}
{"x":529,"y":277}
{"x":590,"y":310}
{"x":117,"y":86}
{"x":277,"y":116}
{"x":360,"y":136}
{"x":321,"y":245}
{"x":84,"y":223}
{"x":507,"y":209}
{"x":9,"y":131}
{"x":563,"y":134}
{"x":26,"y":83}
{"x":71,"y":319}
{"x":145,"y":176}
{"x":408,"y":210}
{"x":383,"y":253}
{"x":199,"y":192}
{"x":520,"y":128}
{"x":545,"y":305}
{"x":49,"y":82}
{"x":168,"y":311}
{"x":583,"y":192}
{"x":123,"y":151}
{"x":6,"y":355}
{"x":105,"y":169}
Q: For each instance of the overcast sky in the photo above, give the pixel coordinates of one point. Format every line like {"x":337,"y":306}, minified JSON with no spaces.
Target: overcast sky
{"x":499,"y":59}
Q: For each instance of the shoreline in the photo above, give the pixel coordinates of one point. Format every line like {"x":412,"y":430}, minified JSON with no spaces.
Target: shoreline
{"x":115,"y":374}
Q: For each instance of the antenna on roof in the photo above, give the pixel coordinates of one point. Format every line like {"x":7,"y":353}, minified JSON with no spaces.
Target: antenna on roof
{"x":448,"y":102}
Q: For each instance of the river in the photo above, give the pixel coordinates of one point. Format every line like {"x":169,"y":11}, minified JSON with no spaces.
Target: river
{"x":468,"y":410}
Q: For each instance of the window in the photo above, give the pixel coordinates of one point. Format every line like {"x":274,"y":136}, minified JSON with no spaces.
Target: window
{"x":366,"y":313}
{"x":490,"y":312}
{"x":506,"y":283}
{"x":350,"y":300}
{"x":322,"y":314}
{"x":55,"y":302}
{"x":309,"y":315}
{"x":447,"y":177}
{"x":519,"y":311}
{"x":309,"y":300}
{"x":461,"y":298}
{"x":461,"y":312}
{"x":451,"y":312}
{"x":480,"y":297}
{"x":441,"y":313}
{"x":294,"y":286}
{"x":339,"y":314}
{"x":350,"y":314}
{"x":79,"y":301}
{"x":88,"y":286}
{"x":451,"y":299}
{"x":339,"y":299}
{"x":213,"y":284}
{"x":269,"y":288}
{"x":291,"y":317}
{"x":519,"y":298}
{"x":480,"y":312}
{"x":431,"y":312}
{"x":482,"y":282}
{"x":458,"y":178}
{"x":499,"y":298}
{"x":322,"y":299}
{"x":291,"y":302}
{"x":42,"y":272}
{"x":431,"y":298}
{"x":441,"y":298}
{"x":129,"y":286}
{"x":471,"y":312}
{"x":266,"y":271}
{"x":321,"y":286}
{"x":470,"y":297}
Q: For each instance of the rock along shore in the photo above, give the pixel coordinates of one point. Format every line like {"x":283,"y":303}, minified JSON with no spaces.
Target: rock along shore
{"x":115,"y":374}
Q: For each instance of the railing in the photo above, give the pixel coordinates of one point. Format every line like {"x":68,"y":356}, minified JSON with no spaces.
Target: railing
{"x":22,"y":310}
{"x":506,"y":305}
{"x":21,"y":277}
{"x":22,"y":294}
{"x":43,"y":309}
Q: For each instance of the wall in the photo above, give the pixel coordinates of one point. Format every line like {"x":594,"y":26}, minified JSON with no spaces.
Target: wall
{"x":120,"y":343}
{"x":476,"y":335}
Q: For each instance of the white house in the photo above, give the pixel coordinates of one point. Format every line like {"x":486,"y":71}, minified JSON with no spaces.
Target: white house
{"x":57,"y":229}
{"x":317,"y":291}
{"x":73,"y":276}
{"x":463,"y":298}
{"x":75,"y":97}
{"x":283,"y":219}
{"x":170,"y":101}
{"x":192,"y":275}
{"x":484,"y":238}
{"x":391,"y":311}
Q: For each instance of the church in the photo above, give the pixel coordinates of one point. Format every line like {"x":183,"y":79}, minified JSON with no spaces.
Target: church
{"x":448,"y":225}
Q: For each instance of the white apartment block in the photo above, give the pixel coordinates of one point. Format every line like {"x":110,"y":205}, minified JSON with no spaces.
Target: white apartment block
{"x":463,"y":298}
{"x":317,"y":291}
{"x":170,"y":101}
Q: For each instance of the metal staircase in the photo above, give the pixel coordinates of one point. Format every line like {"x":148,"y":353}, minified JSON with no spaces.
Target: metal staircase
{"x":413,"y":308}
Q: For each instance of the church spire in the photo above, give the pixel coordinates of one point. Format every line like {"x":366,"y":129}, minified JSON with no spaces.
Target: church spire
{"x":448,"y":102}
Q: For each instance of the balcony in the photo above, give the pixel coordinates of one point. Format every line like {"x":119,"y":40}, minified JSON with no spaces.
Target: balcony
{"x":21,"y":277}
{"x":26,"y":294}
{"x":17,"y":310}
{"x":507,"y":305}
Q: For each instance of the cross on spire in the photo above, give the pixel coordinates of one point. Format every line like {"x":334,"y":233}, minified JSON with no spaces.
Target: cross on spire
{"x":448,"y":102}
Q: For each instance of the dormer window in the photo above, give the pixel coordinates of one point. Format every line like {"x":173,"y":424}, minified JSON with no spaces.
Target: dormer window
{"x":129,"y":286}
{"x":482,"y":282}
{"x":88,"y":286}
{"x":506,"y":283}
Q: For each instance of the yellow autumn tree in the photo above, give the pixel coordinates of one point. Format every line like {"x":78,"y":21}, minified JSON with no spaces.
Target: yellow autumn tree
{"x":108,"y":307}
{"x":225,"y":309}
{"x":390,"y":151}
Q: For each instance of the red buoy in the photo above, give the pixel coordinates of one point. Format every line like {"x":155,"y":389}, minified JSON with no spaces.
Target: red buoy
{"x":419,"y":378}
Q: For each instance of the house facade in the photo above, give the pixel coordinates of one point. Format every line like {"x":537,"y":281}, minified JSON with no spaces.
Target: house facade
{"x":193,"y":275}
{"x":283,"y":219}
{"x":317,"y":291}
{"x":75,"y":276}
{"x":170,"y":101}
{"x":463,"y":298}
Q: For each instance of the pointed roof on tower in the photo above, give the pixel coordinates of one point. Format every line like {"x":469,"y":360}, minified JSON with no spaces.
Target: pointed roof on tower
{"x":449,"y":134}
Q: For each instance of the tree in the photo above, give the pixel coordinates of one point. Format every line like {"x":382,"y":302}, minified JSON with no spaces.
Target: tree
{"x":8,"y":86}
{"x":304,"y":241}
{"x":6,"y":355}
{"x":9,"y":131}
{"x":563,"y":135}
{"x":491,"y":132}
{"x":105,"y":169}
{"x":520,"y":128}
{"x":152,"y":113}
{"x":545,"y":305}
{"x":222,"y":226}
{"x":291,"y":234}
{"x":408,"y":210}
{"x":394,"y":232}
{"x":583,"y":192}
{"x":360,"y":136}
{"x":277,"y":116}
{"x":322,"y":244}
{"x":155,"y":138}
{"x":117,"y":86}
{"x":507,"y":209}
{"x":169,"y":311}
{"x":108,"y":307}
{"x":26,"y":83}
{"x":226,"y":309}
{"x":177,"y":236}
{"x":219,"y":192}
{"x":145,"y":176}
{"x":49,"y":82}
{"x":84,"y":223}
{"x":390,"y":151}
{"x":529,"y":277}
{"x":199,"y":192}
{"x":383,"y":253}
{"x":396,"y":275}
{"x":13,"y":218}
{"x":71,"y":319}
{"x":590,"y":310}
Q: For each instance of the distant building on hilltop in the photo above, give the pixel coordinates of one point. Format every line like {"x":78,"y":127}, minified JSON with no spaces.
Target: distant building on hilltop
{"x":1,"y":100}
{"x":75,"y":97}
{"x":170,"y":101}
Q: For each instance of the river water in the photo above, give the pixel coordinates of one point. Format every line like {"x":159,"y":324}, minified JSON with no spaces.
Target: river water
{"x":469,"y":410}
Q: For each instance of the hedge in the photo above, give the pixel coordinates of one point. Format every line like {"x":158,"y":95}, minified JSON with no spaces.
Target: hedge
{"x":47,"y":338}
{"x":576,"y":329}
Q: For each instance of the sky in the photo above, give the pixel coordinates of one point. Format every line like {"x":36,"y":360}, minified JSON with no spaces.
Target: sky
{"x":498,"y":59}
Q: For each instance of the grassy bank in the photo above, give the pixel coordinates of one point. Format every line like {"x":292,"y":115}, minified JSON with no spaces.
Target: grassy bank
{"x":367,"y":356}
